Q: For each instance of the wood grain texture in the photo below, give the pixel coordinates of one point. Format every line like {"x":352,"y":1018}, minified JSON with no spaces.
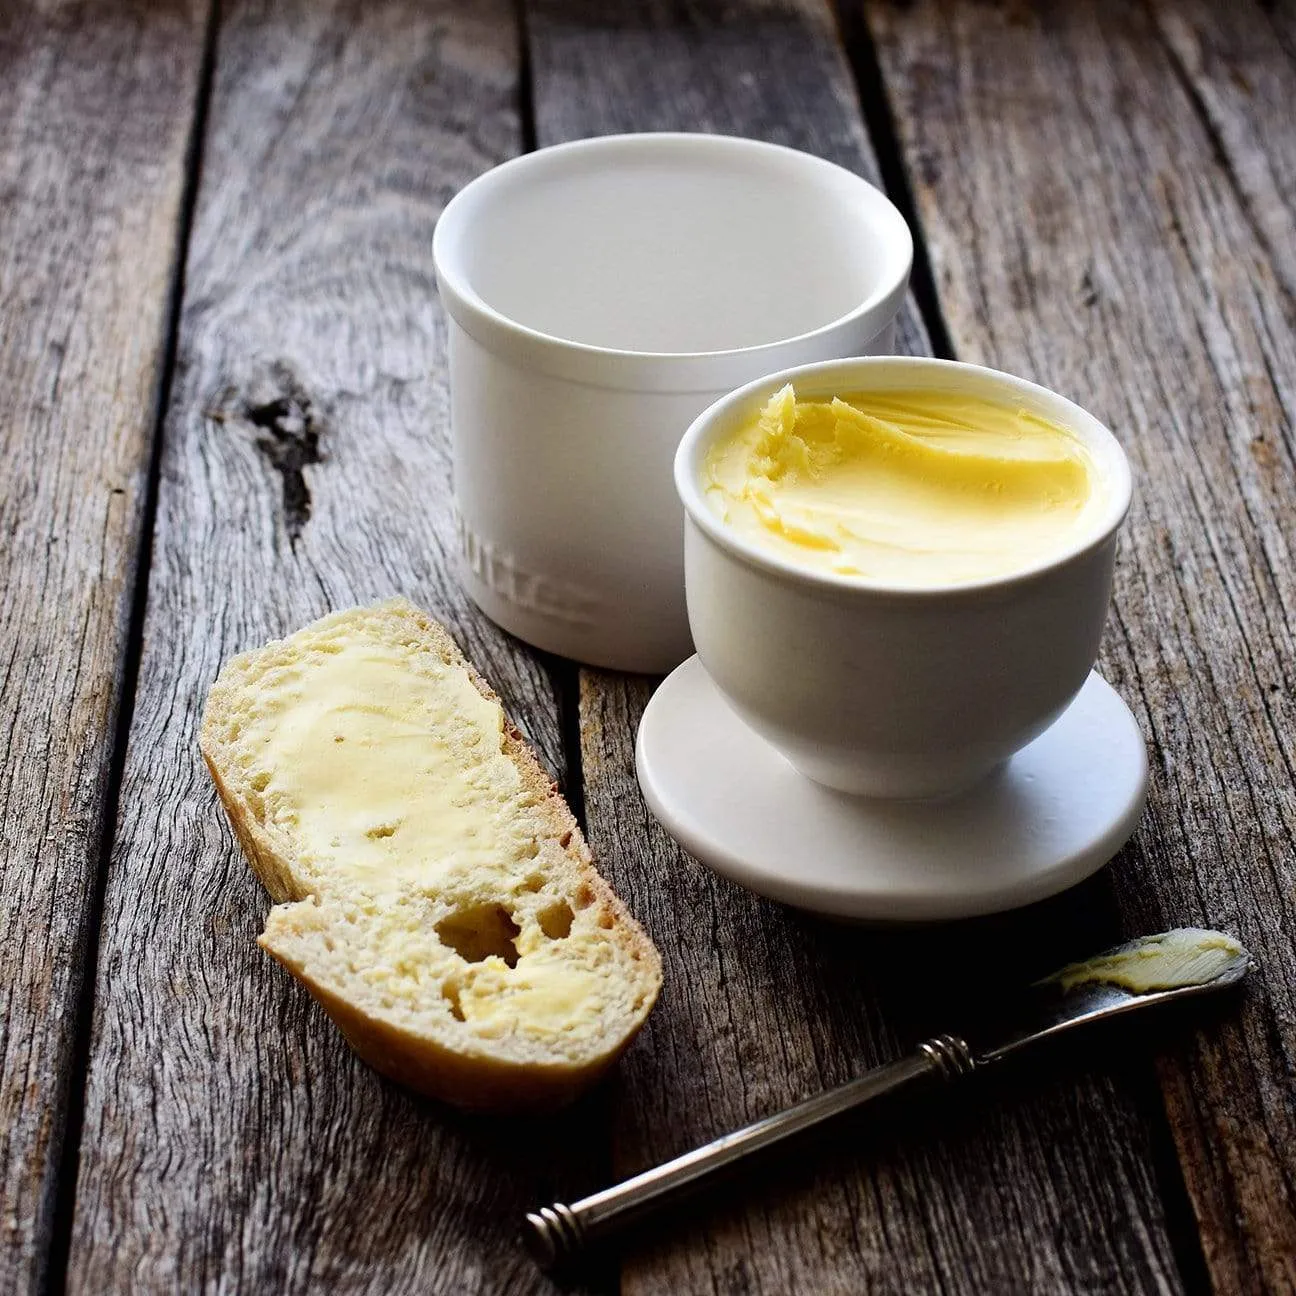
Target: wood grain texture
{"x":1238,"y":67}
{"x":1047,"y":1186}
{"x":1123,"y":236}
{"x":96,"y":107}
{"x":231,"y":1140}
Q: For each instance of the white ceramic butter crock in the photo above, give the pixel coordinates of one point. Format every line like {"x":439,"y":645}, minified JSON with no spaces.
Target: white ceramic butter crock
{"x":889,"y":691}
{"x":600,"y":294}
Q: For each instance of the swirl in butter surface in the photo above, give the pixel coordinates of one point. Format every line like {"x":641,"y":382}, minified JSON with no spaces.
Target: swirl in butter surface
{"x":904,"y":488}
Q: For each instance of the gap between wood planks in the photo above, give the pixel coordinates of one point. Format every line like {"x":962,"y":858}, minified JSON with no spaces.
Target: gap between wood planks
{"x":526,"y":105}
{"x":74,"y":1104}
{"x":875,"y":108}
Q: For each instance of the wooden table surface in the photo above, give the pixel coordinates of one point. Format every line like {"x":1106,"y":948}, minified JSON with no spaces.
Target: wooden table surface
{"x":223,"y":411}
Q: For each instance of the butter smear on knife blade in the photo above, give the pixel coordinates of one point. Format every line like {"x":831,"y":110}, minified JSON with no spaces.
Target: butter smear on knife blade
{"x":1183,"y":957}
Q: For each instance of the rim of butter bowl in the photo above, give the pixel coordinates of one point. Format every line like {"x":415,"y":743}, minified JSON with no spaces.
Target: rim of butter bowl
{"x":861,"y":376}
{"x":480,"y":213}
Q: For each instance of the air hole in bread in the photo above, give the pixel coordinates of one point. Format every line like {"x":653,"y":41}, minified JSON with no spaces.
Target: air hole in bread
{"x":533,"y":882}
{"x":450,"y":993}
{"x":565,"y":840}
{"x":479,"y":932}
{"x":381,"y":830}
{"x":556,"y":920}
{"x":584,"y":896}
{"x":606,"y":920}
{"x":260,"y":781}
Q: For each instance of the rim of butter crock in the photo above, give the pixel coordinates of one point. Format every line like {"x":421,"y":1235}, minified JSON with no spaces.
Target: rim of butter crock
{"x":667,"y":371}
{"x":849,"y":376}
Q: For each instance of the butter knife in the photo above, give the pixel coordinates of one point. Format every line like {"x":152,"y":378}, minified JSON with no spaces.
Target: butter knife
{"x":1145,"y":972}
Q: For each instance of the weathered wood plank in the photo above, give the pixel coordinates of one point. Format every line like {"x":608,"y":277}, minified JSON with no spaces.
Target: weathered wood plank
{"x":1124,"y":236}
{"x":231,"y":1140}
{"x":1049,"y":1188}
{"x":97,"y":103}
{"x":1238,"y":64}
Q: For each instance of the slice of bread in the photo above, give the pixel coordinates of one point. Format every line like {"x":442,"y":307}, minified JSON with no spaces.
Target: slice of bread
{"x":432,"y":888}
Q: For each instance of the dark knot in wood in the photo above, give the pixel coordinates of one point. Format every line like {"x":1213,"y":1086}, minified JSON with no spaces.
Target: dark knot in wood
{"x":291,"y":442}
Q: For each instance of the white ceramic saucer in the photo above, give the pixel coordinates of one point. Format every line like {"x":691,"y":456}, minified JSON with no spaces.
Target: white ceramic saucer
{"x":1057,"y":812}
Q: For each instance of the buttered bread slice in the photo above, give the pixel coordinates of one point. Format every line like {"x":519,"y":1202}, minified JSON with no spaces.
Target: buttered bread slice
{"x":432,"y":888}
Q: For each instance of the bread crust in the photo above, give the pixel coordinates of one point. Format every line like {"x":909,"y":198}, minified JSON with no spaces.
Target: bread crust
{"x":474,"y":1081}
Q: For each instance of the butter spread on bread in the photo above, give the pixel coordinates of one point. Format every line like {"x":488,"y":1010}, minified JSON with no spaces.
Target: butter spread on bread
{"x":433,"y":889}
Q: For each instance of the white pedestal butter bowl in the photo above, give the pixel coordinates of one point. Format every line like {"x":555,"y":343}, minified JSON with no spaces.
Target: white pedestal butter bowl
{"x":886,"y":691}
{"x":600,"y":294}
{"x":893,"y":754}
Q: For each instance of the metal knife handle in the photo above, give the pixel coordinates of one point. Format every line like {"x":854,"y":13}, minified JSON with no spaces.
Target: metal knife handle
{"x":559,"y":1232}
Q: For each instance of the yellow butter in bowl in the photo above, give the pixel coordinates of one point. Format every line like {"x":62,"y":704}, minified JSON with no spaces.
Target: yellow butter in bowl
{"x":907,"y":488}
